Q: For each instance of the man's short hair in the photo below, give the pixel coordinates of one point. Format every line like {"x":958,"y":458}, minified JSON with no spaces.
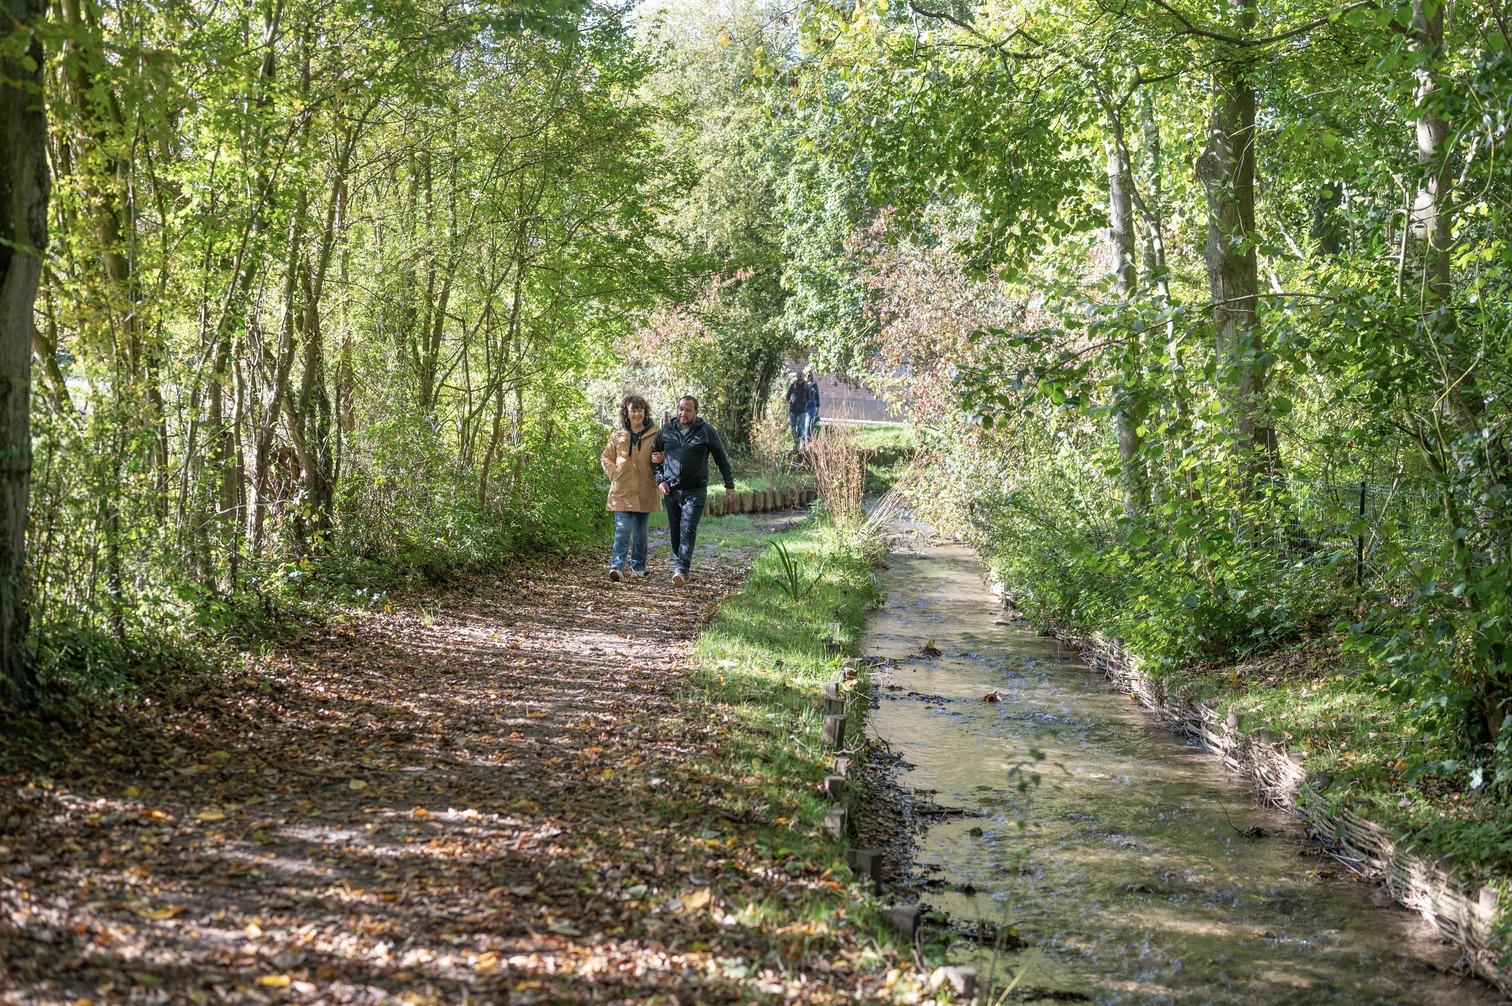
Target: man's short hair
{"x":689,"y":398}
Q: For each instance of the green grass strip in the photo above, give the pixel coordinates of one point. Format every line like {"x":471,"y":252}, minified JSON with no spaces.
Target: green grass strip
{"x":761,"y":664}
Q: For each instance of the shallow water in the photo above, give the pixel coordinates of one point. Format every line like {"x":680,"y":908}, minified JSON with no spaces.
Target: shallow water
{"x":1145,"y":872}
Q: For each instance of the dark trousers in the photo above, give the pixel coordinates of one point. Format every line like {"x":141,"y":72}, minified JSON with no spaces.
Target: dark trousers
{"x":685,"y":508}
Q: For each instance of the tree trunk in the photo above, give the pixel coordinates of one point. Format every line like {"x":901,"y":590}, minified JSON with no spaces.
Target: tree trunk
{"x":1126,"y":404}
{"x":1482,"y":461}
{"x":23,"y":236}
{"x":1153,"y":202}
{"x":1227,"y":171}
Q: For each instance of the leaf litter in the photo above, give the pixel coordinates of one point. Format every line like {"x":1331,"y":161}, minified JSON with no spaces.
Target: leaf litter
{"x":498,"y":792}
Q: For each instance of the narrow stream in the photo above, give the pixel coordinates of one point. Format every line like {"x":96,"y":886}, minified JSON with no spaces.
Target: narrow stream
{"x":1145,"y":872}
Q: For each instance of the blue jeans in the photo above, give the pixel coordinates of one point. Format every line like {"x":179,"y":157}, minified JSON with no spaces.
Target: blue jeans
{"x":629,"y":536}
{"x":798,"y":421}
{"x":810,"y":425}
{"x":684,"y":509}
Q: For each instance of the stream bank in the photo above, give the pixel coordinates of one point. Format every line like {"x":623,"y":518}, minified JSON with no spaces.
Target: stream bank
{"x":1134,"y":869}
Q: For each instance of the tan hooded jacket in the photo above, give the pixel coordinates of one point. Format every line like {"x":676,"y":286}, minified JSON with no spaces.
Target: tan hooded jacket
{"x":632,"y":487}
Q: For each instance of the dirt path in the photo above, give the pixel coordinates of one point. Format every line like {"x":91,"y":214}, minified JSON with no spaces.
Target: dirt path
{"x":494,"y":794}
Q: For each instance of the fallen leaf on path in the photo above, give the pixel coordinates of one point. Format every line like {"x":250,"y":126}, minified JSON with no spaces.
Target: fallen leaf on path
{"x":990,"y":697}
{"x":159,"y":914}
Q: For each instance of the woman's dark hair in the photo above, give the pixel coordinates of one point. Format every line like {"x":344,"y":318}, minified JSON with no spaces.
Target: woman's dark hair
{"x":627,"y":403}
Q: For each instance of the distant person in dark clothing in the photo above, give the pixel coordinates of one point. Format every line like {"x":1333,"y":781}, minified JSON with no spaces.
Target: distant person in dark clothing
{"x":810,"y":407}
{"x":797,"y":403}
{"x":680,"y":460}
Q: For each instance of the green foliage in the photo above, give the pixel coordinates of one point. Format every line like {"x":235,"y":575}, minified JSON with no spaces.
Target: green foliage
{"x":1129,"y":463}
{"x":320,"y":308}
{"x":795,"y":583}
{"x":721,"y":339}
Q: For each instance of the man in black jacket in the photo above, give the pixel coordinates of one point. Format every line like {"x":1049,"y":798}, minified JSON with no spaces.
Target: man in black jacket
{"x":797,"y":403}
{"x":810,"y":407}
{"x":680,"y":461}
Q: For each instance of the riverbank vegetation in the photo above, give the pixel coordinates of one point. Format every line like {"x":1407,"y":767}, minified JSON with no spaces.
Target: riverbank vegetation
{"x":761,"y":663}
{"x":1207,"y":309}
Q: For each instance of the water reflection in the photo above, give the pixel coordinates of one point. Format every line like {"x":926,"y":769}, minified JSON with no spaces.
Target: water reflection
{"x":1138,"y":870}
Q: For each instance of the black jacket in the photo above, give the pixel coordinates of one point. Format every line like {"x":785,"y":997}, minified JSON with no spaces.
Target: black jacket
{"x":811,"y":396}
{"x":686,"y":465}
{"x":797,"y":397}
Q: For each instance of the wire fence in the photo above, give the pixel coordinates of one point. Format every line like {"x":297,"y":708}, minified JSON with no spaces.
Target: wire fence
{"x":1378,"y":522}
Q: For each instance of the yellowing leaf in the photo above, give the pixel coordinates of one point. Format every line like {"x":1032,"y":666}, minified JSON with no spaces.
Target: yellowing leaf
{"x":698,"y":900}
{"x":211,"y":815}
{"x":159,"y":914}
{"x":357,"y":785}
{"x":275,"y":981}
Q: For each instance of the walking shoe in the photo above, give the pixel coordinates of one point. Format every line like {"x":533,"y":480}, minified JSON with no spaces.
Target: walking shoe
{"x":679,"y":578}
{"x":615,"y":576}
{"x":637,"y":572}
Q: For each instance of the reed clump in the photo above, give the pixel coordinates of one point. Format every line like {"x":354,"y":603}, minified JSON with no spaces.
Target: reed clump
{"x":839,"y":468}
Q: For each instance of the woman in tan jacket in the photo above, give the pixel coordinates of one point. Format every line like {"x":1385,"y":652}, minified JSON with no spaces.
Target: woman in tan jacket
{"x":632,"y":487}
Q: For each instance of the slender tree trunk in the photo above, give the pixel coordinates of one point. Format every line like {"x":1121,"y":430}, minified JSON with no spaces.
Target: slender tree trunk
{"x":1153,"y":203}
{"x":23,"y":236}
{"x":219,"y":442}
{"x":1481,"y":455}
{"x":1126,"y":395}
{"x":1227,"y":171}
